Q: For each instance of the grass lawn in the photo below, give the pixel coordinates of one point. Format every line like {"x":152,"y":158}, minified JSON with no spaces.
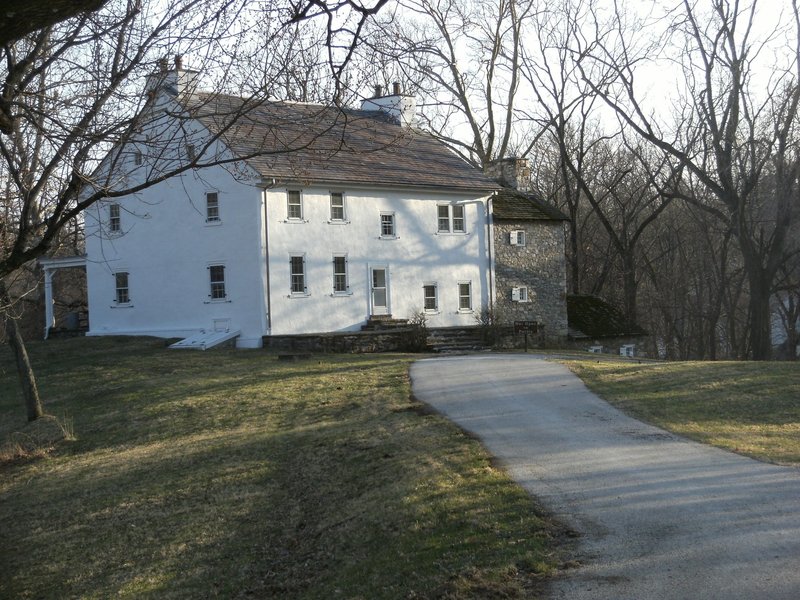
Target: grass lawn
{"x":232,"y":474}
{"x":749,"y":407}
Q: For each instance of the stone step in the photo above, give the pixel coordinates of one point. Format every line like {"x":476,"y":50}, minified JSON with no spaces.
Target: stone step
{"x":451,"y":341}
{"x":379,"y":322}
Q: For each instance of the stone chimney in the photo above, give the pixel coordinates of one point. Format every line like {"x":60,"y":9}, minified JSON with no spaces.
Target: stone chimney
{"x":510,"y":172}
{"x":399,"y":107}
{"x":175,"y":82}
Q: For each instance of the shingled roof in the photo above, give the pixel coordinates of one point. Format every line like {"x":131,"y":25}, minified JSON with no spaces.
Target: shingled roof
{"x":314,"y":144}
{"x":513,"y":205}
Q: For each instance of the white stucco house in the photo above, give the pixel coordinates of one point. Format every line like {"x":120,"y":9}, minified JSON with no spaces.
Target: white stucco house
{"x":317,"y":220}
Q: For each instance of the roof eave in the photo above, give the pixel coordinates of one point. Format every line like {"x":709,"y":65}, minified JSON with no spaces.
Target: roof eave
{"x":269,"y":182}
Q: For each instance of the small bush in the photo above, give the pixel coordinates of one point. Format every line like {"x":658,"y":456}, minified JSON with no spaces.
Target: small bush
{"x":417,"y":340}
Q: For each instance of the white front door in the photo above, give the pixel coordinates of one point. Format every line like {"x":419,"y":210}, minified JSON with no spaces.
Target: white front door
{"x":380,"y":290}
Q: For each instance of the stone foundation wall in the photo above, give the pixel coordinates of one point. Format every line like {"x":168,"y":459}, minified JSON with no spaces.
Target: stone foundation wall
{"x":540,"y":265}
{"x":394,"y":340}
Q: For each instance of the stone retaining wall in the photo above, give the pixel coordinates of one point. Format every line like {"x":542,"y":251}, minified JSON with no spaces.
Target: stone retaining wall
{"x":393,"y":340}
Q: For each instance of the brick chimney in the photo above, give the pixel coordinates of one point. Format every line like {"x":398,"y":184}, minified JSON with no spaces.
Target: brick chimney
{"x":510,"y":172}
{"x":176,"y":82}
{"x":399,"y":107}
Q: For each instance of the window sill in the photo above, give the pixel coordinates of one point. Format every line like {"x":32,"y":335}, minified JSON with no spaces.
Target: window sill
{"x":217,"y":301}
{"x":428,"y":311}
{"x":214,"y":223}
{"x":295,"y":221}
{"x":299,"y":295}
{"x":125,"y":305}
{"x":465,"y":311}
{"x":452,"y":233}
{"x":338,"y":222}
{"x":389,"y":237}
{"x":341,"y":294}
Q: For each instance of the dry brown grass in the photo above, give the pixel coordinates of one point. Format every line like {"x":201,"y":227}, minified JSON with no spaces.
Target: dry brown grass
{"x":232,"y":474}
{"x":752,"y":408}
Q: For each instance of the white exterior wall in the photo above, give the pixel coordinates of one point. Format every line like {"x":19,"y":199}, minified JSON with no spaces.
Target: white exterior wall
{"x":166,"y":246}
{"x":418,"y":255}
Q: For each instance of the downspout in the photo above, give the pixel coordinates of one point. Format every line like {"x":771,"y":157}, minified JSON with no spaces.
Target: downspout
{"x":266,"y":255}
{"x":49,"y":318}
{"x":490,"y":230}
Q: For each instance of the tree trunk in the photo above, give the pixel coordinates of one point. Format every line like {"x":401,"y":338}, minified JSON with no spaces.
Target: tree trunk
{"x":760,"y":321}
{"x":574,"y":247}
{"x":27,"y":380}
{"x":629,"y":287}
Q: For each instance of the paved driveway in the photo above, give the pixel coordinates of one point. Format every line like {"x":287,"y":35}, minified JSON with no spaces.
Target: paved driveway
{"x":659,"y":516}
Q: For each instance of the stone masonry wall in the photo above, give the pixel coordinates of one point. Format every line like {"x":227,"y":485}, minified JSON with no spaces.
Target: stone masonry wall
{"x":353,"y":342}
{"x":541,"y":266}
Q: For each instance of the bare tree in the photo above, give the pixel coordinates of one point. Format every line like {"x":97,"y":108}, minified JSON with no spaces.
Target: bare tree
{"x":463,"y":59}
{"x":564,"y":109}
{"x":736,"y":137}
{"x":75,"y":111}
{"x":787,"y":295}
{"x":25,"y":16}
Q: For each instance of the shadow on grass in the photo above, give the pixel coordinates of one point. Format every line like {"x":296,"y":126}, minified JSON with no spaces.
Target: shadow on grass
{"x":228,"y":474}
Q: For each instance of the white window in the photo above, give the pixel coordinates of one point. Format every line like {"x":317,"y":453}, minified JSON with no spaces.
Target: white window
{"x":517,"y":237}
{"x":294,"y":204}
{"x":337,"y":206}
{"x":430,"y":300}
{"x":450,"y":218}
{"x":216,"y":276}
{"x":519,"y":294}
{"x":444,"y":218}
{"x":212,"y":207}
{"x":297,"y":273}
{"x":388,"y":229}
{"x":465,"y":296}
{"x":123,"y":295}
{"x":340,"y":274}
{"x":114,"y":218}
{"x":458,"y":219}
